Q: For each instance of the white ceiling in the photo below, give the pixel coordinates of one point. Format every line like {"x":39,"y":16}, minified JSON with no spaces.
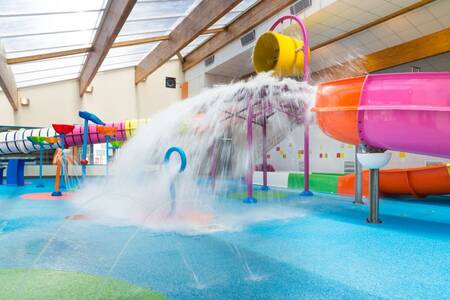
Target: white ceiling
{"x":345,"y":15}
{"x":236,"y":67}
{"x":412,"y":25}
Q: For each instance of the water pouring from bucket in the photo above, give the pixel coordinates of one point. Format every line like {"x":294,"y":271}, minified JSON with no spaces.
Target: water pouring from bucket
{"x":283,"y":56}
{"x":280,"y":54}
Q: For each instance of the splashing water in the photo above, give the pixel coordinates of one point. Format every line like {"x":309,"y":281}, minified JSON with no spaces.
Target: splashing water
{"x":212,"y":129}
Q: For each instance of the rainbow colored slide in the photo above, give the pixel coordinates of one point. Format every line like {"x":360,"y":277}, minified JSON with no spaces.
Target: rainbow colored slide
{"x":17,"y":141}
{"x":403,"y":112}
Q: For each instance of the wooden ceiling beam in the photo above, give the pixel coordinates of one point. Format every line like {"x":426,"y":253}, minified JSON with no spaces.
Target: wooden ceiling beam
{"x":423,"y":47}
{"x":7,"y":81}
{"x":114,"y":16}
{"x":204,"y":15}
{"x":244,"y":23}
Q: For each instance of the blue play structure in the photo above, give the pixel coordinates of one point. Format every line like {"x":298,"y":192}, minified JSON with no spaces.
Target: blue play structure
{"x":87,"y":116}
{"x":1,"y":174}
{"x":167,"y":156}
{"x":15,"y":172}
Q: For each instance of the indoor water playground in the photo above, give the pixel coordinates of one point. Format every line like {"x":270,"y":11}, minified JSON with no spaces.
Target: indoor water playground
{"x":225,"y":149}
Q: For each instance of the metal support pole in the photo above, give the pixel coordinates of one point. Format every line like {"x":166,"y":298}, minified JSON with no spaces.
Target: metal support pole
{"x":265,"y":187}
{"x":214,"y":165}
{"x":41,"y":154}
{"x":91,"y":153}
{"x":358,"y":178}
{"x":63,"y":163}
{"x":306,"y":191}
{"x":374,"y":197}
{"x":249,"y":177}
{"x":107,"y":154}
{"x":85,"y":142}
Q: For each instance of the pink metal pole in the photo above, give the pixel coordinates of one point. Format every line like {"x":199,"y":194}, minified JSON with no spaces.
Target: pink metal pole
{"x":306,"y":191}
{"x":249,"y":177}
{"x":214,"y":165}
{"x":265,"y":187}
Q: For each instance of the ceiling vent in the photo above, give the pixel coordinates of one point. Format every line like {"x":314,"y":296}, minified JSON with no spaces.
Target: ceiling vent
{"x":209,"y":61}
{"x":299,"y":6}
{"x":248,"y":38}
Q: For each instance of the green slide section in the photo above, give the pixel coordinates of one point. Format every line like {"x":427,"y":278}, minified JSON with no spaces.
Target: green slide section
{"x":35,"y":284}
{"x":319,"y":182}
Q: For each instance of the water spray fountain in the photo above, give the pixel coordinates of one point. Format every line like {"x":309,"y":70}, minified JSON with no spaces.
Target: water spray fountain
{"x":182,"y":154}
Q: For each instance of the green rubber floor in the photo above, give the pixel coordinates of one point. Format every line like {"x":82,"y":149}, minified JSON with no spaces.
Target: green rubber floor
{"x":50,"y":284}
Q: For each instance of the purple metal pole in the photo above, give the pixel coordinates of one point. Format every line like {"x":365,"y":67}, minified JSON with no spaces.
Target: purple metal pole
{"x":214,"y":166}
{"x":249,"y":177}
{"x":264,"y":151}
{"x":306,"y":191}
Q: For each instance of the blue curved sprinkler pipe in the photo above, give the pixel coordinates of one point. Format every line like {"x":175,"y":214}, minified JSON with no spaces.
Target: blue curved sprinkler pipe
{"x":167,"y":156}
{"x":87,"y":116}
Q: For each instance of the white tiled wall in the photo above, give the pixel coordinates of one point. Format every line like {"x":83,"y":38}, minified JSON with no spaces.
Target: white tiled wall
{"x":286,"y":157}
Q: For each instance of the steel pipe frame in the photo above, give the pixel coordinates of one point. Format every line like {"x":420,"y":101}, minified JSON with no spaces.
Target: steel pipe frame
{"x":374,"y":197}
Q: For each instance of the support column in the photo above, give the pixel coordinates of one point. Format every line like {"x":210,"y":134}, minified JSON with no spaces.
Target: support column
{"x":41,"y":160}
{"x":374,"y":197}
{"x":358,"y":178}
{"x":214,"y":165}
{"x":62,"y":137}
{"x":84,"y":154}
{"x":107,"y":138}
{"x":306,"y":191}
{"x":265,"y":187}
{"x":249,"y":177}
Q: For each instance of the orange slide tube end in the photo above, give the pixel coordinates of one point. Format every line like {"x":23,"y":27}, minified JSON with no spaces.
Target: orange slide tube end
{"x":337,"y":108}
{"x":419,"y":182}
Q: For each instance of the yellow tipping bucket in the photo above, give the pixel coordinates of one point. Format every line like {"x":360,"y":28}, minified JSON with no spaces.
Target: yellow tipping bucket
{"x":279,"y":53}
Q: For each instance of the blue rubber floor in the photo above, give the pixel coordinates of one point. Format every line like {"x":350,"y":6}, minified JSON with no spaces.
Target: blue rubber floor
{"x":329,"y":252}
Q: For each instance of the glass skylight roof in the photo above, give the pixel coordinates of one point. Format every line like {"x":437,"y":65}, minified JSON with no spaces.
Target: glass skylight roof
{"x":44,"y":43}
{"x":234,"y":13}
{"x":32,"y":27}
{"x":48,"y":64}
{"x":195,"y":43}
{"x":46,"y":7}
{"x":223,"y":22}
{"x":149,"y":17}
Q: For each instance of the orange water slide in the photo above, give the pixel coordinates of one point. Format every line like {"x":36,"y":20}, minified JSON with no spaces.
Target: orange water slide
{"x":419,"y":182}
